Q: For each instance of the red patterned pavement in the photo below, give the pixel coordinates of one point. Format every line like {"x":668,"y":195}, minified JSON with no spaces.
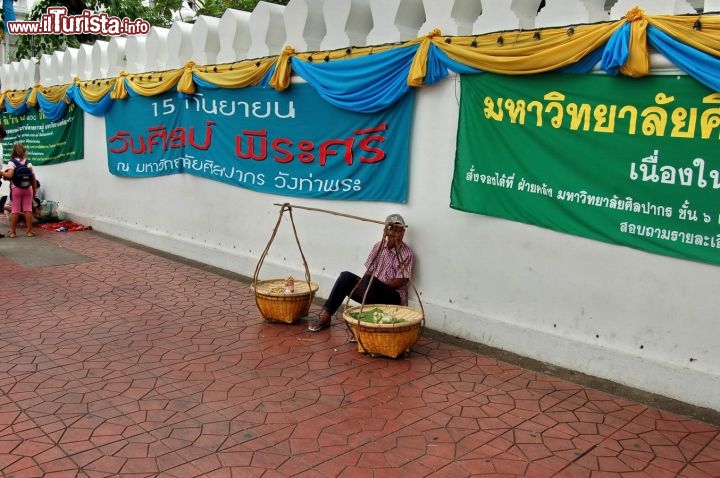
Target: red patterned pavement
{"x":133,"y":364}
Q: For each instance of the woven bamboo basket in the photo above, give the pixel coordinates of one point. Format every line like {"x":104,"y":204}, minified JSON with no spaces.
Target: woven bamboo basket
{"x":280,"y":306}
{"x":389,"y":340}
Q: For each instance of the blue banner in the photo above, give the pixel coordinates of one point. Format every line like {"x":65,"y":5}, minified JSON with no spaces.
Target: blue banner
{"x":291,"y":143}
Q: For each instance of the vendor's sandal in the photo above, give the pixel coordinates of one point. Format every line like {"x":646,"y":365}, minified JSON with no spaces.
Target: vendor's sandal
{"x":12,"y":235}
{"x":30,"y":234}
{"x":318,"y":326}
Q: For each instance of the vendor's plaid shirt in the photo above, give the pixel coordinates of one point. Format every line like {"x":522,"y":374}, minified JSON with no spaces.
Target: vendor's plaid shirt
{"x":392,"y":264}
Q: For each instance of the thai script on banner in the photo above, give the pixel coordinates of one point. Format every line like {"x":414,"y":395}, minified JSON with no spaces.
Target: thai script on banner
{"x":291,"y":143}
{"x":47,"y":142}
{"x":659,"y":194}
{"x":662,"y":118}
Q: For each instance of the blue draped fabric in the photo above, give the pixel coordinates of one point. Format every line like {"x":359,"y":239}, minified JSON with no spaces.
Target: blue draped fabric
{"x":701,"y":66}
{"x":54,"y":111}
{"x":586,"y":64}
{"x":96,"y":109}
{"x":617,"y":51}
{"x":204,"y":84}
{"x":366,"y":84}
{"x":439,"y":63}
{"x":20,"y":110}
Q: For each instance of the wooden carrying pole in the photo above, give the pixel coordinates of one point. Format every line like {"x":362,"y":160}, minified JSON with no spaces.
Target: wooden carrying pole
{"x":288,"y":205}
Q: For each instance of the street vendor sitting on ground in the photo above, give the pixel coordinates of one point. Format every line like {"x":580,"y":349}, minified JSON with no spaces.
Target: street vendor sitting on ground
{"x":391,"y":267}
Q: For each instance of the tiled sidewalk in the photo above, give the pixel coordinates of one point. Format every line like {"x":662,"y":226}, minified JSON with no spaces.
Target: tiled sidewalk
{"x":135,"y":365}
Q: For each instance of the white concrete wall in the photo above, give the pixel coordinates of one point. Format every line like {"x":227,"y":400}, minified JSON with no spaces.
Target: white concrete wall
{"x":610,"y":311}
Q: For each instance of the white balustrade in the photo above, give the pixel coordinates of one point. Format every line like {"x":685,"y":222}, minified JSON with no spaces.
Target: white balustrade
{"x":45,"y":68}
{"x":28,"y":72}
{"x":452,"y":17}
{"x":179,"y":45}
{"x":15,"y":72}
{"x":395,"y":20}
{"x":348,"y":23}
{"x":651,"y":7}
{"x":84,"y":62}
{"x":56,"y":62}
{"x":9,"y":79}
{"x":205,"y":40}
{"x":68,"y":65}
{"x":712,"y":6}
{"x":6,"y":78}
{"x":267,"y":30}
{"x":136,"y":53}
{"x":305,"y":24}
{"x":117,"y":59}
{"x":100,"y":60}
{"x":557,"y":13}
{"x":500,"y":15}
{"x":234,"y":29}
{"x":157,"y":48}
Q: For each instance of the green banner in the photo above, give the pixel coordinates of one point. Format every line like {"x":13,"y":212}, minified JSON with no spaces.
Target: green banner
{"x":627,"y":161}
{"x":46,"y":142}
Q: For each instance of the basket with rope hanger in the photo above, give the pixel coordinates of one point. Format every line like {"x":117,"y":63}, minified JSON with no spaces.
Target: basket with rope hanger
{"x":392,"y":329}
{"x":273,"y":299}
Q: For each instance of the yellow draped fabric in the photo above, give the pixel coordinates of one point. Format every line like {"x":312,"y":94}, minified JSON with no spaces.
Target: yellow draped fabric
{"x":17,"y":97}
{"x":418,"y":68}
{"x":32,"y":97}
{"x":119,"y":91}
{"x":95,"y":90}
{"x":638,"y":63}
{"x":706,"y":38}
{"x":525,"y":52}
{"x":236,"y":75}
{"x":283,"y":70}
{"x":151,"y":84}
{"x":53,"y":94}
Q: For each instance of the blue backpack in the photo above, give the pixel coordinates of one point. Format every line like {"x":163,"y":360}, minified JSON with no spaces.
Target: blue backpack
{"x":23,"y":175}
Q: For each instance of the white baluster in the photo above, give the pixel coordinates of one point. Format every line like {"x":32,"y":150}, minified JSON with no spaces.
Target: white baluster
{"x":234,"y":29}
{"x":57,"y":66}
{"x":157,"y":48}
{"x":395,"y":20}
{"x":452,"y":17}
{"x":205,"y":40}
{"x":100,"y":59}
{"x":267,"y":30}
{"x":498,"y":15}
{"x":46,"y":71}
{"x":305,"y":24}
{"x":557,"y":13}
{"x":179,"y":45}
{"x":5,"y":76}
{"x":136,"y":53}
{"x":348,"y":23}
{"x":84,"y":62}
{"x":28,"y":72}
{"x":117,"y":60}
{"x":16,"y":77}
{"x":651,"y":7}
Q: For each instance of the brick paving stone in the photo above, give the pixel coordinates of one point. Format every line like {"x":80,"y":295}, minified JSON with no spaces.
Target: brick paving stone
{"x":138,"y":365}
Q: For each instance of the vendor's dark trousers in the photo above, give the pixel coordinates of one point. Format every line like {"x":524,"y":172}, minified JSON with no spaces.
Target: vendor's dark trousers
{"x":379,"y":293}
